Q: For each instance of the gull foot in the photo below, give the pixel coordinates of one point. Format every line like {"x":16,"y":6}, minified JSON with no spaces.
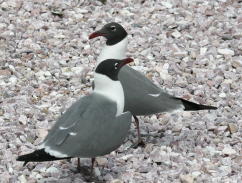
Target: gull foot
{"x":85,"y":170}
{"x":139,"y":143}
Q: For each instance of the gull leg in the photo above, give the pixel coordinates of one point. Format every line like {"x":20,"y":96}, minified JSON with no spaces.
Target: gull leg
{"x":140,"y":142}
{"x":78,"y":164}
{"x":93,"y":162}
{"x":90,"y":177}
{"x":78,"y":169}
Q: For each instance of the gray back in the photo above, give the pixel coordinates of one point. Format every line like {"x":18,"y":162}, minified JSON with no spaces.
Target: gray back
{"x":137,"y":90}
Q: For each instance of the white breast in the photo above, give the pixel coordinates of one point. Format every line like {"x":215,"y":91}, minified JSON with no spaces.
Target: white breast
{"x":117,"y":51}
{"x":110,"y":89}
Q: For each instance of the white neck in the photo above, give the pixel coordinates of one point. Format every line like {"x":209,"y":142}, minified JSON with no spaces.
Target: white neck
{"x":110,"y":89}
{"x":116,"y":51}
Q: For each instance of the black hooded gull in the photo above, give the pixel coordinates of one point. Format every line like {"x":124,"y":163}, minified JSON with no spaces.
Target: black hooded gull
{"x":93,"y":126}
{"x":142,"y":97}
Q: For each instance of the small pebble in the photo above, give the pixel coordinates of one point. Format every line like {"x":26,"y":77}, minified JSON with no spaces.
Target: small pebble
{"x":226,"y":51}
{"x":22,"y":179}
{"x":232,"y":128}
{"x":52,"y":170}
{"x":186,"y":178}
{"x":101,"y":161}
{"x":116,"y":181}
{"x":228,"y":151}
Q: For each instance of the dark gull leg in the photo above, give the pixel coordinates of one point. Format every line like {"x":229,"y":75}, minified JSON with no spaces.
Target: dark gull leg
{"x":78,"y":164}
{"x":91,"y":176}
{"x":93,"y":162}
{"x":81,"y":169}
{"x":140,"y":142}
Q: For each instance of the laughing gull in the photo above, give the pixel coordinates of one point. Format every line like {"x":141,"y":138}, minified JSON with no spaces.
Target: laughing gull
{"x":142,"y":97}
{"x":93,"y":126}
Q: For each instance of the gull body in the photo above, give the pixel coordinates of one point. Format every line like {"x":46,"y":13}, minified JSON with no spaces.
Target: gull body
{"x":93,"y":126}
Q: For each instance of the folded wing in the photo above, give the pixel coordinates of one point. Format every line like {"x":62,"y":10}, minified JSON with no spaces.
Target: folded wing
{"x":89,"y":128}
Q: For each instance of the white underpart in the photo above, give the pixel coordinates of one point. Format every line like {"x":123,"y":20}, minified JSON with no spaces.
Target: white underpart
{"x":110,"y":89}
{"x":54,"y":152}
{"x":117,"y":51}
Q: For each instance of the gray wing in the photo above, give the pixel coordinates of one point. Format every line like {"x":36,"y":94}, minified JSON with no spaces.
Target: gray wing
{"x":142,"y":96}
{"x":70,"y":117}
{"x":91,"y":132}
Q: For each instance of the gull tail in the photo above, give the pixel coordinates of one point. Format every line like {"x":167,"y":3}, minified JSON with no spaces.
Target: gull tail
{"x":38,"y":156}
{"x":190,"y":106}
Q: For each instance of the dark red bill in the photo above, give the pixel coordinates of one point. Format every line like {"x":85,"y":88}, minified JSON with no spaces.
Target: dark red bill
{"x":126,"y":61}
{"x":96,"y":34}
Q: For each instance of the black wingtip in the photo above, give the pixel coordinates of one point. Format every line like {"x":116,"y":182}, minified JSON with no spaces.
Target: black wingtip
{"x":22,"y":158}
{"x":25,"y":163}
{"x":38,"y":156}
{"x":190,"y":106}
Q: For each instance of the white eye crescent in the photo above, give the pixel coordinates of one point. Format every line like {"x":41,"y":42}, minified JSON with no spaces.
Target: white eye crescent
{"x":113,"y":28}
{"x":116,"y":65}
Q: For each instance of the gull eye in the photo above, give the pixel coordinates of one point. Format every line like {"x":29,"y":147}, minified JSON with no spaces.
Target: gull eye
{"x":113,"y":28}
{"x":116,"y":65}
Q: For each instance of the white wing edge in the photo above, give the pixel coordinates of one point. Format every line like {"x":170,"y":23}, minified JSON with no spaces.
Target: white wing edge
{"x":122,"y":113}
{"x":55,"y":153}
{"x":52,"y":152}
{"x":154,"y":95}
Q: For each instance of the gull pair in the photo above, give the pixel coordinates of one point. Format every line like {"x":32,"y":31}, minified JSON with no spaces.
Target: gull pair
{"x":96,"y":125}
{"x":142,"y":97}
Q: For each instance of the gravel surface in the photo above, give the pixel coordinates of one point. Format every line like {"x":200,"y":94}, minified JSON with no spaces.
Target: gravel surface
{"x":192,"y":48}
